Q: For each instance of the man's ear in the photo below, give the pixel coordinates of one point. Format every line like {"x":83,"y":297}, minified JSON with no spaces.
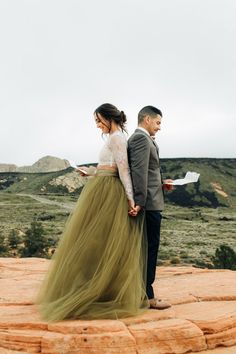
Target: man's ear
{"x":147,"y":119}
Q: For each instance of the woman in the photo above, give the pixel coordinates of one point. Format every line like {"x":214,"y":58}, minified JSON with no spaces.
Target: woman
{"x":98,"y":269}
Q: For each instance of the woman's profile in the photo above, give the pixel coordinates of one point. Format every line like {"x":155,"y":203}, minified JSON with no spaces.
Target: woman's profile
{"x":99,"y":266}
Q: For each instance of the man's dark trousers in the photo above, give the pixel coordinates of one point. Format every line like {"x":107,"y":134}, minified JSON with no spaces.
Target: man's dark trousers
{"x":153,"y":226}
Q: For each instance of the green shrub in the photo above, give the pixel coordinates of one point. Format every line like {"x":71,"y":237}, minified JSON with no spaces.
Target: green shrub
{"x":175,"y":260}
{"x":14,"y":239}
{"x":45,"y":217}
{"x":163,"y":254}
{"x":224,"y":258}
{"x":184,"y":254}
{"x":35,"y":242}
{"x":3,"y":245}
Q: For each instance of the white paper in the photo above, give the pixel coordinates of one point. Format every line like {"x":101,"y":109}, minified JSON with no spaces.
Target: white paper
{"x":72,"y":164}
{"x":82,"y":170}
{"x":190,"y":177}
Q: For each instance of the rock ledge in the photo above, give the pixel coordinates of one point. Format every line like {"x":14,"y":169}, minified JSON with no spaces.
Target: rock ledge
{"x":202,"y":318}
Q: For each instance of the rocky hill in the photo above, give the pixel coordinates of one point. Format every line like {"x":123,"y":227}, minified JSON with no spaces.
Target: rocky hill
{"x":5,"y":167}
{"x":216,"y":186}
{"x":45,"y":164}
{"x":202,"y":318}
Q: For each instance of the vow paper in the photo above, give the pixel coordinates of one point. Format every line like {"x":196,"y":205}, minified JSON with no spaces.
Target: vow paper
{"x":190,"y":177}
{"x":72,"y":164}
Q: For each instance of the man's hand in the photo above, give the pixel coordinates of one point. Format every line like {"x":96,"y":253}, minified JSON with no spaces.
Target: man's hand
{"x":168,"y":185}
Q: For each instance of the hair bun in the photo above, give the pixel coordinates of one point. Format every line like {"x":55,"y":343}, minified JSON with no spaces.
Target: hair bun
{"x":111,"y":113}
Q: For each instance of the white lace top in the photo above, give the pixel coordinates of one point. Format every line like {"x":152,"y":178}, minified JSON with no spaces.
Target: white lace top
{"x":114,"y":153}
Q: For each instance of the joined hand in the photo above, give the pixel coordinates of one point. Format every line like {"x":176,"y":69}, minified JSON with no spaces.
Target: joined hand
{"x":134,"y":210}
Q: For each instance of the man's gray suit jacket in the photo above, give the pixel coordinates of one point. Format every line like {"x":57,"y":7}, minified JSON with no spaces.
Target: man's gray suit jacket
{"x":145,"y":171}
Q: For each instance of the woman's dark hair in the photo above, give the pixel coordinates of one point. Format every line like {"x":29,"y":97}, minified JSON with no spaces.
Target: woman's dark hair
{"x":111,"y":113}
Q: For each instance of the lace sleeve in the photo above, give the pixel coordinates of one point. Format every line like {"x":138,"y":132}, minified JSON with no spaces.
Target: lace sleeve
{"x":118,"y":146}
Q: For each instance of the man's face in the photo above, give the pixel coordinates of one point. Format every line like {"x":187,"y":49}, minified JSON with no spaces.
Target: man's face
{"x":153,"y":124}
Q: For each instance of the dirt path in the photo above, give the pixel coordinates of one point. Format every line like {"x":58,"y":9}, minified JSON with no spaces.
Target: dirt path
{"x":68,"y":206}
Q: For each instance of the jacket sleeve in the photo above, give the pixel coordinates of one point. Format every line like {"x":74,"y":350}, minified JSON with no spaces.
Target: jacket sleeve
{"x":139,"y":153}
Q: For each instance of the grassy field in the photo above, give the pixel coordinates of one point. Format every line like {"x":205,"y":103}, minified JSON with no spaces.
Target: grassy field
{"x":190,"y":235}
{"x":17,"y":212}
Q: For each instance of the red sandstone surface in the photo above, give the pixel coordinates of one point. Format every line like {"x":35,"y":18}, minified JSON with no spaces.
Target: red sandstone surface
{"x":202,"y":318}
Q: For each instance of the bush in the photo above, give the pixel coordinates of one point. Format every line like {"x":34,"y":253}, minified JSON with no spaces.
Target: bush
{"x":224,"y":258}
{"x":14,"y":239}
{"x":3,"y":245}
{"x":203,"y":264}
{"x":175,"y":260}
{"x":163,"y":254}
{"x":184,"y":254}
{"x":45,"y":217}
{"x":35,"y":242}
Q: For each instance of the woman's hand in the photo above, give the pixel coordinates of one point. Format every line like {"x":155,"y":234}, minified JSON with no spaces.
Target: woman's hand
{"x":131,"y":211}
{"x":83,"y":171}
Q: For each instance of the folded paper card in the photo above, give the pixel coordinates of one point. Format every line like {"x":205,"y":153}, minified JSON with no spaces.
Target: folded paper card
{"x":90,"y":171}
{"x":190,"y":177}
{"x":72,"y":164}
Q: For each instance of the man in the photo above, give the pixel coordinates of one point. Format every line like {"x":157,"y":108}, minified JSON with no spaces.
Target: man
{"x":148,"y":188}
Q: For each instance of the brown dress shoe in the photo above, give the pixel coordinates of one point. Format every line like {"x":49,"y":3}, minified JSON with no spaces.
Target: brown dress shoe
{"x":158,"y":304}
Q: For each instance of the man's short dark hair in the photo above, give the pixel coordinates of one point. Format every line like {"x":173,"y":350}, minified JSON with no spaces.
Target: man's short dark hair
{"x":148,"y":111}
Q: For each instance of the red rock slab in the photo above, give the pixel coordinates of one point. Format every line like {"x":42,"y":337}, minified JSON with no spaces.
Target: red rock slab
{"x":20,"y":279}
{"x":23,"y":317}
{"x":101,"y":343}
{"x":217,"y":319}
{"x":27,"y":340}
{"x":180,"y":329}
{"x":183,"y":270}
{"x":226,"y":338}
{"x":23,"y":265}
{"x":9,"y":351}
{"x":221,"y":350}
{"x":211,"y":317}
{"x":150,"y":315}
{"x":18,"y":291}
{"x":87,"y":327}
{"x":168,"y":336}
{"x":210,"y":285}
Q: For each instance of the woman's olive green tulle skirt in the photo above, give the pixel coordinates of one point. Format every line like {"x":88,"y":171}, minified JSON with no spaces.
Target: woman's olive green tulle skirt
{"x":99,"y":268}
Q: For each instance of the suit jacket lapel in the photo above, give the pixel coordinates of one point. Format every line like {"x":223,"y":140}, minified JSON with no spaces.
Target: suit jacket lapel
{"x":153,"y":141}
{"x":156,"y":147}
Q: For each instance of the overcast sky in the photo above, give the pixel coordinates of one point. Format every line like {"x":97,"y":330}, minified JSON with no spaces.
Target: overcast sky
{"x":59,"y":60}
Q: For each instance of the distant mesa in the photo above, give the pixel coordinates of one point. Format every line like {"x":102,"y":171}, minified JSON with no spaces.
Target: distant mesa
{"x":5,"y":167}
{"x":45,"y":164}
